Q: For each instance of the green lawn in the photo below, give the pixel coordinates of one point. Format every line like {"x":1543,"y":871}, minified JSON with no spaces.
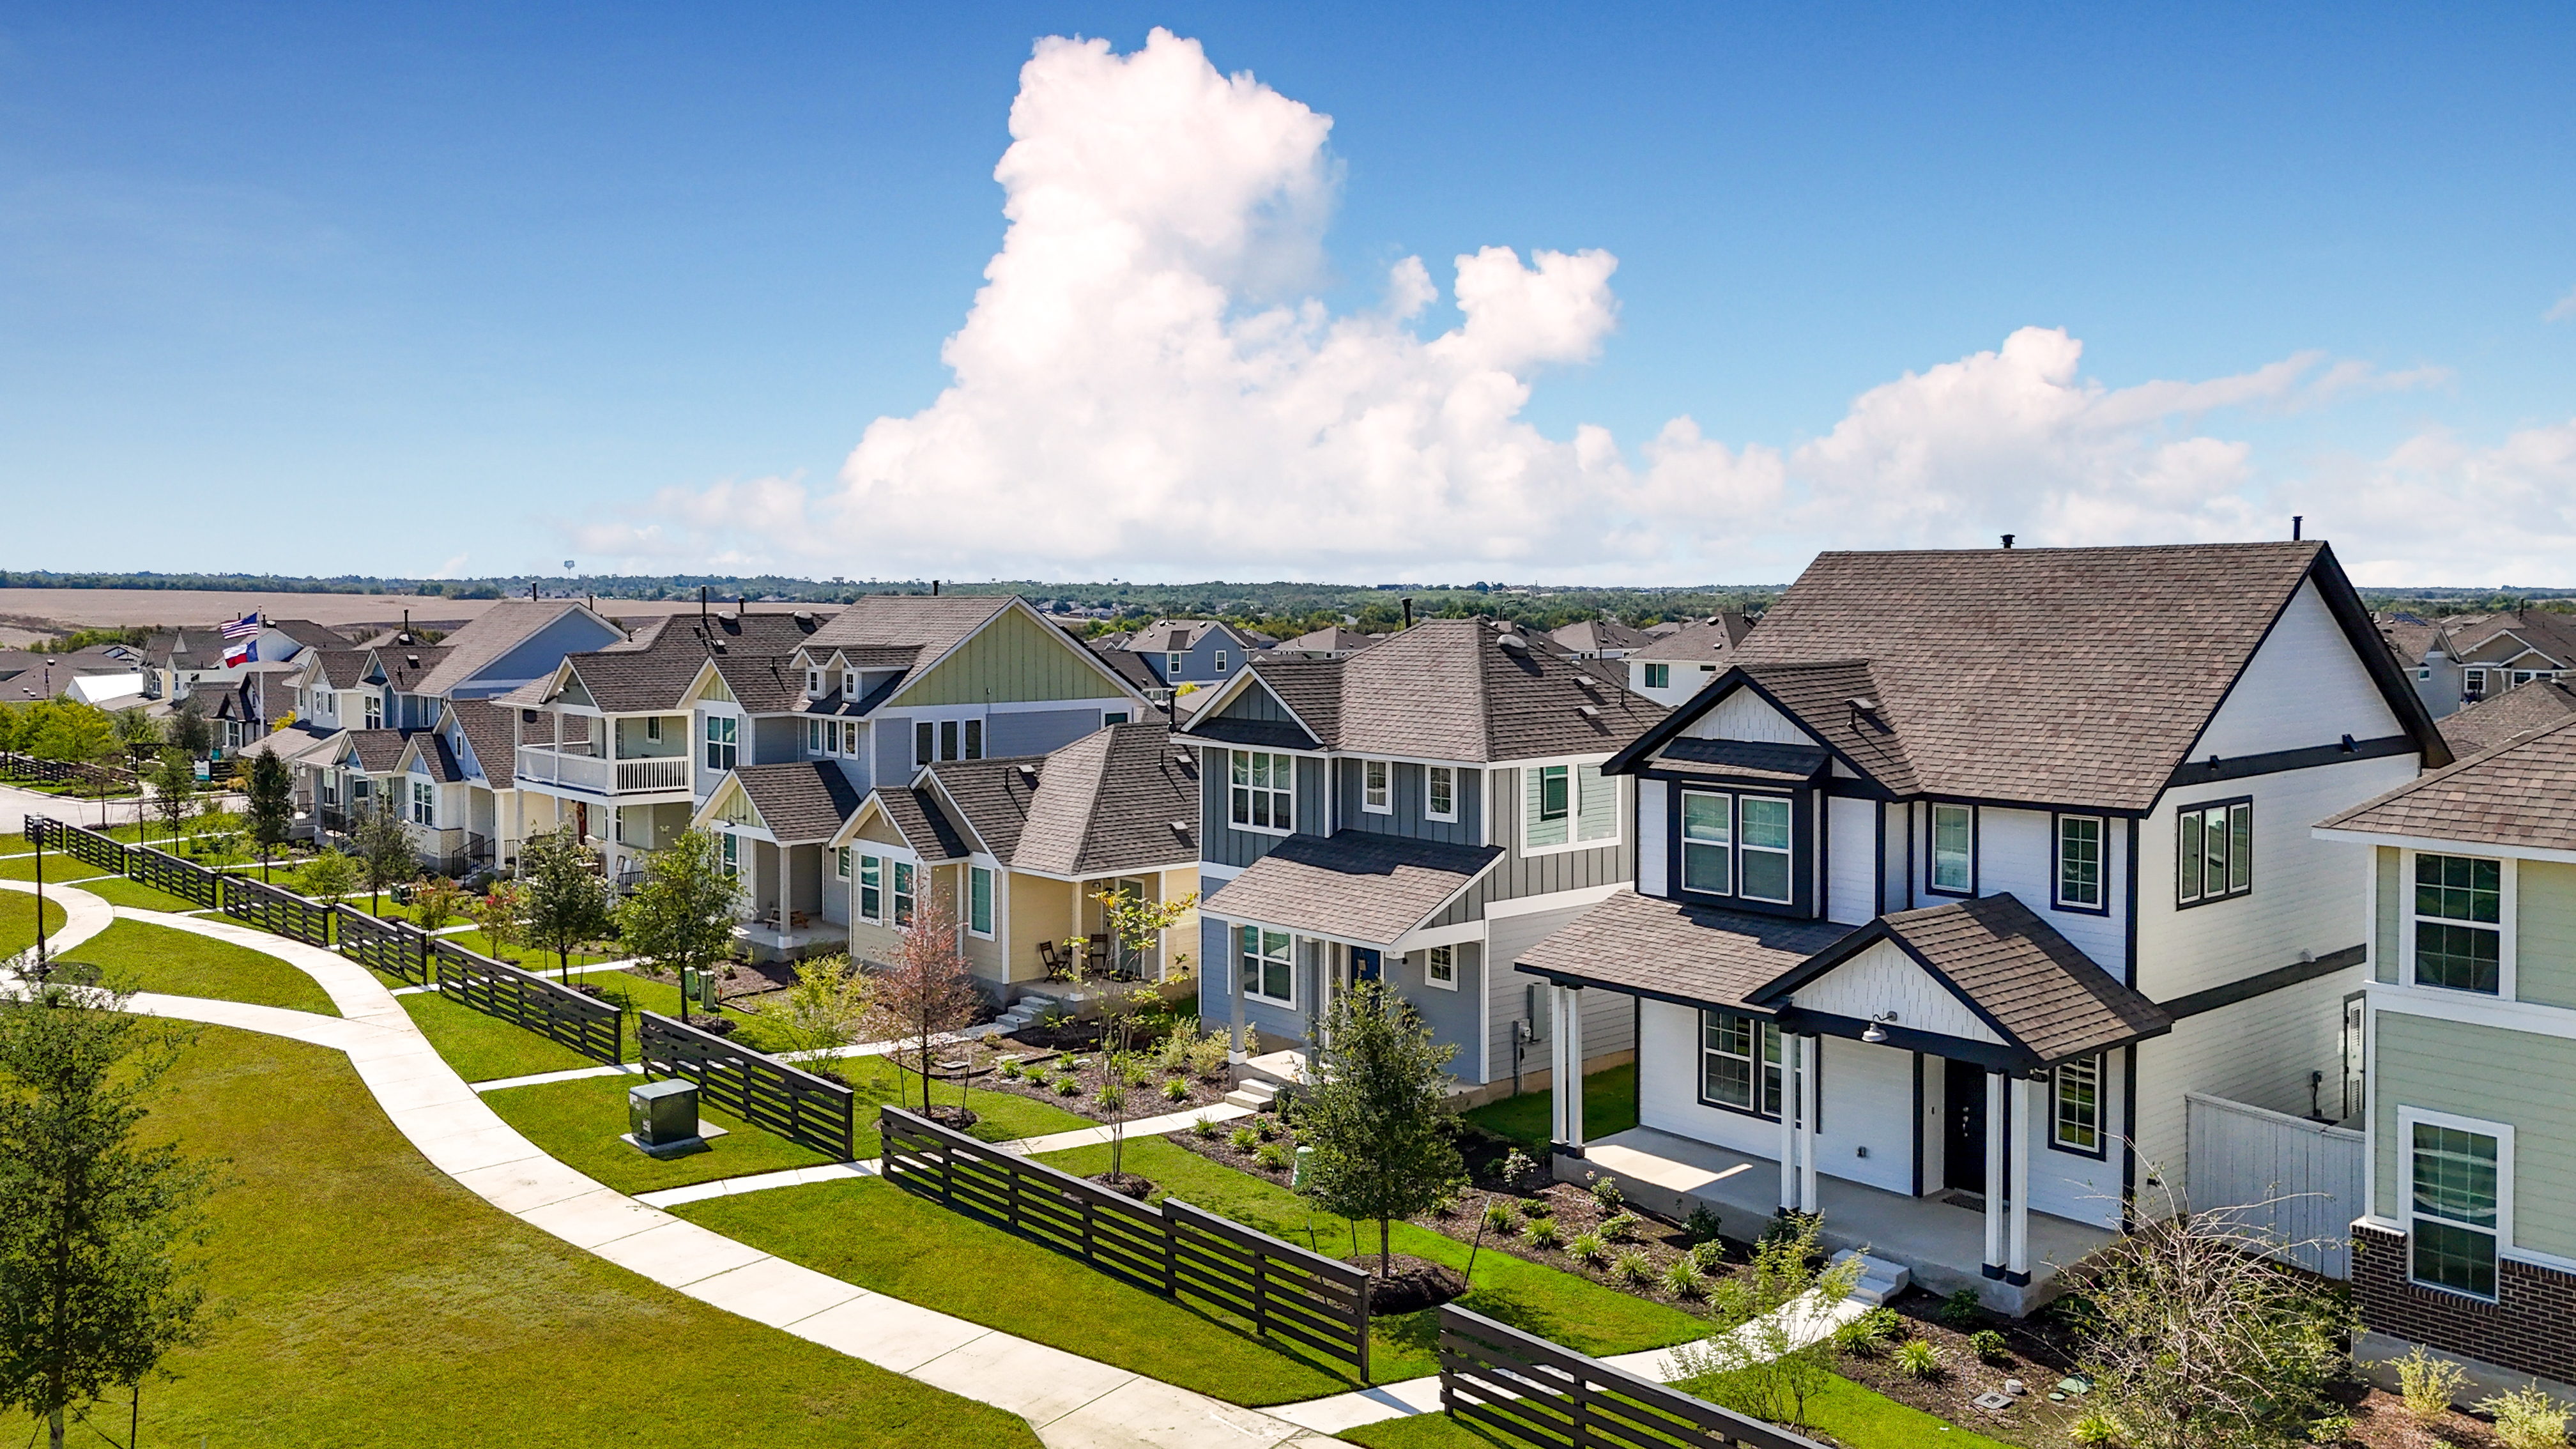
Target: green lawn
{"x":577,"y":1124}
{"x":159,"y":958}
{"x":118,"y":891}
{"x":18,"y":921}
{"x":1001,"y":1116}
{"x":467,"y":1326}
{"x":530,"y":958}
{"x":1850,"y":1412}
{"x":486,"y":1048}
{"x":1609,"y":1105}
{"x":59,"y":868}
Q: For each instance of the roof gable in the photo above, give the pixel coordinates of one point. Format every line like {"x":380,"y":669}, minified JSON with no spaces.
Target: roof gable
{"x":1013,"y":654}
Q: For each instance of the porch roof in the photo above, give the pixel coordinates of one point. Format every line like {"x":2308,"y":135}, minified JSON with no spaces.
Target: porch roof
{"x":1694,"y":955}
{"x":802,"y":802}
{"x":1354,"y":885}
{"x":916,"y":816}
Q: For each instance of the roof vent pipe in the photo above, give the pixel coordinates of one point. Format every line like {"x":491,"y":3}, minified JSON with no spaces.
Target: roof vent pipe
{"x":934,"y":588}
{"x":1408,"y":613}
{"x":2296,"y":519}
{"x":2008,"y":538}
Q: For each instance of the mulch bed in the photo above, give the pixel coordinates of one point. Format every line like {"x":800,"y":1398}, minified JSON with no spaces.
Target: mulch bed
{"x":1407,"y":1284}
{"x":2380,"y":1421}
{"x":1044,"y":1067}
{"x":2039,"y":1355}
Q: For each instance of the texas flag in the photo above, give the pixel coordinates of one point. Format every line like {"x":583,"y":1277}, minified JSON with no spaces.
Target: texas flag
{"x":241,"y":641}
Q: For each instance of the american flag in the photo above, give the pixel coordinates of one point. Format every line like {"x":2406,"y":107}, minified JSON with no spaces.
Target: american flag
{"x":245,"y":627}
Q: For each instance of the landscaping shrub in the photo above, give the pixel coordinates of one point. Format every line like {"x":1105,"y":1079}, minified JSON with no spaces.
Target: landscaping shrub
{"x":1633,"y":1268}
{"x":1011,"y":1071}
{"x":1203,"y":1126}
{"x":1701,"y":1226}
{"x":1176,"y":1090}
{"x":1273,"y":1155}
{"x":1619,"y":1227}
{"x":1918,"y":1358}
{"x":1710,"y":1255}
{"x":2429,"y":1384}
{"x":1883,"y":1325}
{"x":1605,"y":1192}
{"x":1520,"y":1173}
{"x":1268,"y":1127}
{"x":2332,"y":1429}
{"x":1961,"y":1309}
{"x":1172,"y":1054}
{"x":1989,"y":1347}
{"x":1244,"y":1139}
{"x":1541,"y":1233}
{"x":1682,"y":1278}
{"x":1067,"y":1085}
{"x":2098,"y":1430}
{"x":1207,"y":1055}
{"x":2527,"y":1418}
{"x":1501,"y":1216}
{"x":1588,"y":1248}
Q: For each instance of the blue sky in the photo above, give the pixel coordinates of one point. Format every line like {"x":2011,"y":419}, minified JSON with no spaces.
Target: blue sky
{"x":476,"y":290}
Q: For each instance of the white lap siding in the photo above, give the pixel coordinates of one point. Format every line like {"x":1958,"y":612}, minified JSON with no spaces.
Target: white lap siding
{"x":2259,"y":1051}
{"x":1868,"y":1097}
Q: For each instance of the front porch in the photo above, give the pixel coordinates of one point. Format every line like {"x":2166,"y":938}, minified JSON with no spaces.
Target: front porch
{"x":1942,"y":1238}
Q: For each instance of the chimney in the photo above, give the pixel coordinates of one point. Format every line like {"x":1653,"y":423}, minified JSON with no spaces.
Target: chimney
{"x":1408,"y":613}
{"x":2008,"y":538}
{"x":2296,"y":519}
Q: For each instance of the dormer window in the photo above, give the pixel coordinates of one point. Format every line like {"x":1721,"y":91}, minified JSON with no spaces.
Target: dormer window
{"x":849,"y":684}
{"x":814,"y":683}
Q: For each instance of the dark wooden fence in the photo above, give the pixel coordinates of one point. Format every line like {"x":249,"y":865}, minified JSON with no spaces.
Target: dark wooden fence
{"x":396,"y":948}
{"x":77,"y":841}
{"x":1501,"y":1380}
{"x":54,"y":772}
{"x":586,"y":1024}
{"x":185,"y":879}
{"x":762,"y":1090}
{"x":1177,"y":1250}
{"x":277,"y":911}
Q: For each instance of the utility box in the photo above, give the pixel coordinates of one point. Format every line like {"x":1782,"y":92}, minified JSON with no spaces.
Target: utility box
{"x":662,"y":1114}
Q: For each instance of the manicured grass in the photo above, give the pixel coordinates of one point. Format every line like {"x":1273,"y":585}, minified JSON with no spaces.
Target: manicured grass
{"x":18,"y":921}
{"x":158,"y":958}
{"x":527,"y":957}
{"x":1851,"y":1413}
{"x":119,"y":891}
{"x":485,"y":1048}
{"x":577,"y":1124}
{"x":1000,"y":1116}
{"x":465,"y":1326}
{"x":878,"y":1236}
{"x":1609,"y":1105}
{"x":59,"y":868}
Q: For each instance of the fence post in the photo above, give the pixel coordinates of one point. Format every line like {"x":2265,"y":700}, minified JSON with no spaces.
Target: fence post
{"x":1172,"y":1230}
{"x":1260,"y":1292}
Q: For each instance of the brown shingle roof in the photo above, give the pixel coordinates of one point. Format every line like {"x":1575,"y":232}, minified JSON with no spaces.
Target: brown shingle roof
{"x":341,"y":668}
{"x":801,"y":801}
{"x":1709,"y":641}
{"x":1591,"y":636}
{"x":1649,"y":946}
{"x":934,"y":623}
{"x":488,"y":736}
{"x":1106,"y":802}
{"x":1355,"y":885}
{"x":2522,"y":793}
{"x":917,"y":817}
{"x":406,"y":665}
{"x":378,"y":751}
{"x":2492,"y":721}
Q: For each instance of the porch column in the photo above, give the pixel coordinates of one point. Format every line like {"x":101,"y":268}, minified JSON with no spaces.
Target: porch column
{"x":1788,"y":1120}
{"x":1573,"y":1035}
{"x":1995,"y":1109}
{"x":1238,"y":1050}
{"x":2017,"y":1251}
{"x":1811,"y":1052}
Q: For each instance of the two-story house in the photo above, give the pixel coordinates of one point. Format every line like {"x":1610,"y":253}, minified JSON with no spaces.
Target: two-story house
{"x":1674,"y":665}
{"x":2510,"y":649}
{"x":1416,"y":813}
{"x":1204,"y":652}
{"x":1960,"y":878}
{"x":1022,"y":849}
{"x":2468,"y":1247}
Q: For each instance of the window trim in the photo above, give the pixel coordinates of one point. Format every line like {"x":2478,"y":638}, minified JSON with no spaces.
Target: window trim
{"x":1220,"y":661}
{"x":2508,"y":883}
{"x":903,"y":891}
{"x":1680,"y":874}
{"x":1931,"y":847}
{"x":723,"y":736}
{"x":1573,"y":765}
{"x":840,"y":862}
{"x":1658,"y":676}
{"x":1431,"y":957}
{"x":2100,"y":1151}
{"x":2408,"y":1118}
{"x":1251,"y":993}
{"x":1377,"y":787}
{"x":1765,"y":1030}
{"x":813,"y":682}
{"x":870,"y":877}
{"x":2203,"y":807}
{"x":2057,"y":863}
{"x":1431,"y":773}
{"x":990,"y":905}
{"x":653,"y":728}
{"x":424,"y":804}
{"x":1245,"y":824}
{"x":1788,"y":853}
{"x":729,"y":854}
{"x":925,"y":742}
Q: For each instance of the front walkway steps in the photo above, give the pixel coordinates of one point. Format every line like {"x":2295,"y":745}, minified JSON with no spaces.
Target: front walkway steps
{"x":1072,"y":1402}
{"x":1880,"y":1280}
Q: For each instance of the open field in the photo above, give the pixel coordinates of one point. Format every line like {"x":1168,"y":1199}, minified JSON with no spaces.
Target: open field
{"x":29,"y":610}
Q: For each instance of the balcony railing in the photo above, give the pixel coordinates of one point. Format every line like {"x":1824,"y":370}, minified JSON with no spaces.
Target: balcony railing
{"x":592,"y":775}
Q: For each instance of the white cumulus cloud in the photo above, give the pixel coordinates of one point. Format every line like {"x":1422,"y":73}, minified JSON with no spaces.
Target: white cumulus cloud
{"x":1145,"y":387}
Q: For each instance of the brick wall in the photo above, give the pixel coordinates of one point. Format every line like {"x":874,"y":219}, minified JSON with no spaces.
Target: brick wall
{"x":2531,"y":1327}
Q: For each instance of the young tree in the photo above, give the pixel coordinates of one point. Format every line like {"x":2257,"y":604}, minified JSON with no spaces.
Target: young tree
{"x":437,"y":903}
{"x":567,"y":902}
{"x":330,"y":875}
{"x":189,"y":730}
{"x":98,"y":1277}
{"x":1778,"y":1354}
{"x":174,"y":789}
{"x":501,"y":913}
{"x":138,"y":734}
{"x":926,"y":994}
{"x":272,"y":805}
{"x":2195,"y":1340}
{"x":681,"y":916}
{"x":826,"y":1009}
{"x":1137,"y":925}
{"x":1376,"y":1116}
{"x":380,"y":846}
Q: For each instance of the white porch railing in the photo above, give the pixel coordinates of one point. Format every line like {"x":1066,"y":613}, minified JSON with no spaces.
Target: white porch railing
{"x":595,"y":776}
{"x":669,"y":772}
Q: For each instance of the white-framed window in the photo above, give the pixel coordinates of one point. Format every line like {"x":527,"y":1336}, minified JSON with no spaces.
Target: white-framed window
{"x":1739,"y":1063}
{"x":375,"y":712}
{"x":729,"y":854}
{"x":1172,"y":665}
{"x":2473,"y":684}
{"x":424,"y":804}
{"x":1659,"y":676}
{"x":849,"y":684}
{"x":1377,"y":787}
{"x":1565,"y":806}
{"x":2459,"y":1188}
{"x":903,"y":892}
{"x":841,"y":863}
{"x":1112,"y":716}
{"x":813,"y":683}
{"x":653,"y":728}
{"x":979,"y":902}
{"x":871,"y":904}
{"x":849,"y":737}
{"x":1262,"y":791}
{"x":1440,"y":967}
{"x":2423,"y":674}
{"x":723,"y":743}
{"x":1440,"y":793}
{"x":2456,"y":923}
{"x":2080,"y":857}
{"x":1220,"y":661}
{"x":925,"y":742}
{"x":1266,"y":965}
{"x":814,"y":737}
{"x":1762,"y":848}
{"x":1954,"y":850}
{"x":330,"y":787}
{"x":1555,"y":793}
{"x":1708,"y":842}
{"x":2213,"y":852}
{"x":2076,"y":1125}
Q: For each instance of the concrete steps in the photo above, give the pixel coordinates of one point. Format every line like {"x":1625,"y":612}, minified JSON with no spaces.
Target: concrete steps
{"x":1022,"y":1013}
{"x":1880,"y":1280}
{"x":1254,"y":1094}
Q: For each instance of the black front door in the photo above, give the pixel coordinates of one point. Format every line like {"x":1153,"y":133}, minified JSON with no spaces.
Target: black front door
{"x":1963,"y":1156}
{"x":1364,"y":964}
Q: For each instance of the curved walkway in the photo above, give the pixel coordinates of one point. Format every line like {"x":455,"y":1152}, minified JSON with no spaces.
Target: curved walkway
{"x":1073,"y":1402}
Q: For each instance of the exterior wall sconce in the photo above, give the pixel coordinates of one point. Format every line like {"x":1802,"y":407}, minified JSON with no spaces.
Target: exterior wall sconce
{"x":1875,"y":1033}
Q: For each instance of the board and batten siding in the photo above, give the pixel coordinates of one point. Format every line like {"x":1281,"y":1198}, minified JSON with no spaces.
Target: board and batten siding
{"x":1609,"y":1018}
{"x":2522,"y":1078}
{"x":1517,"y":875}
{"x":1222,"y":844}
{"x":1014,"y":658}
{"x":1408,"y":785}
{"x":2383,"y":928}
{"x":1040,"y":731}
{"x":1654,"y":841}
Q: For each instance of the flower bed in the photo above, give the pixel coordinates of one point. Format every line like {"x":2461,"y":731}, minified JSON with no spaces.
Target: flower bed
{"x":2038,"y":1351}
{"x":1072,"y":1079}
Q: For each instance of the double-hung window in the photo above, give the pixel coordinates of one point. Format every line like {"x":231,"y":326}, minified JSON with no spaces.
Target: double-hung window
{"x":1440,"y":793}
{"x":2214,"y":852}
{"x":2456,"y":1178}
{"x":1268,"y":965}
{"x":723,"y":741}
{"x":1762,"y":849}
{"x":1377,"y":789}
{"x":814,"y":736}
{"x":1954,"y":849}
{"x":903,"y":892}
{"x":1708,"y":843}
{"x":872,"y":889}
{"x":2079,"y":862}
{"x":925,"y":742}
{"x":1262,"y":793}
{"x":1440,"y":967}
{"x":1659,"y":676}
{"x":2077,"y":1126}
{"x":849,"y":737}
{"x":979,"y":901}
{"x":2459,"y":923}
{"x":1555,"y":792}
{"x":1220,"y":661}
{"x":813,"y":683}
{"x":841,"y":863}
{"x":424,"y":803}
{"x":653,"y":728}
{"x":729,"y":854}
{"x":1740,"y":1062}
{"x":1172,"y":665}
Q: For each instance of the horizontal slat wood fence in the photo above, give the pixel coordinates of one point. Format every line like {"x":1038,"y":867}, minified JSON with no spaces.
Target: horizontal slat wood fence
{"x":167,"y":873}
{"x":280,"y":912}
{"x":77,"y":841}
{"x":397,"y":948}
{"x":584,"y":1023}
{"x":1177,"y":1250}
{"x":28,"y":767}
{"x":1501,"y":1380}
{"x":762,"y":1090}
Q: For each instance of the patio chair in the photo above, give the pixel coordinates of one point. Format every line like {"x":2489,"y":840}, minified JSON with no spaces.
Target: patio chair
{"x":1054,"y":959}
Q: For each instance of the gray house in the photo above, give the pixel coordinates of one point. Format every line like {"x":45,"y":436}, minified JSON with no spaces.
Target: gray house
{"x":1203,"y":652}
{"x":1415,"y":813}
